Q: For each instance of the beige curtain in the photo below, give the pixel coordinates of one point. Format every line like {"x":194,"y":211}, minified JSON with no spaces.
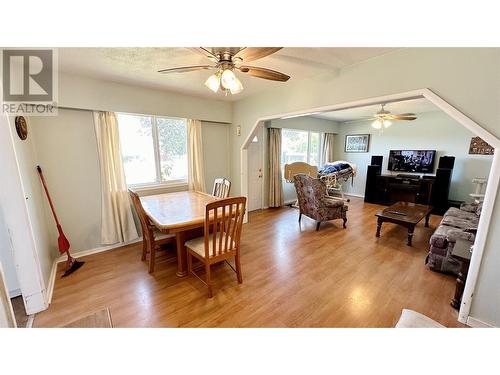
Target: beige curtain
{"x":116,"y":212}
{"x":275,"y":180}
{"x":196,"y":176}
{"x":327,"y":153}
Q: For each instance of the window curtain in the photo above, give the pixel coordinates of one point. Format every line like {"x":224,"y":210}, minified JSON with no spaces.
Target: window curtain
{"x":116,"y":211}
{"x":196,"y":177}
{"x":327,"y":153}
{"x":275,"y":180}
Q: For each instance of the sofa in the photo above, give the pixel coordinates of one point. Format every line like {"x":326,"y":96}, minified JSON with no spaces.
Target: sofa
{"x":315,"y":203}
{"x":457,"y":223}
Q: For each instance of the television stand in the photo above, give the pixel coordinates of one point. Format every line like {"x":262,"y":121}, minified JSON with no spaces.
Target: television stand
{"x":408,"y":176}
{"x":389,"y":189}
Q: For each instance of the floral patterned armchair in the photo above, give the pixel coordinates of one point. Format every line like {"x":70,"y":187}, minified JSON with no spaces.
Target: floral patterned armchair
{"x":314,"y":202}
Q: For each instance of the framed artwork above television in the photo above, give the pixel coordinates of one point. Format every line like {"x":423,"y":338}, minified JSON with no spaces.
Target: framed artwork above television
{"x":357,"y":143}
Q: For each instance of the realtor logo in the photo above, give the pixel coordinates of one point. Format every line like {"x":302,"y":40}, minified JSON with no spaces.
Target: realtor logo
{"x":29,"y":82}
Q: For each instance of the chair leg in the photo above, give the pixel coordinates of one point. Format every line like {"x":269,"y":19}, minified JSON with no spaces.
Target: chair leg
{"x":300,"y":216}
{"x":152,"y":256}
{"x":189,"y":263}
{"x":345,"y":221}
{"x":317,"y":225}
{"x":238,"y":269}
{"x":144,"y":247}
{"x":208,"y":280}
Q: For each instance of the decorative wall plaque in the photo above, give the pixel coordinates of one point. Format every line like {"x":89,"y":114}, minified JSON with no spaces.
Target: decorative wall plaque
{"x":21,"y":127}
{"x":480,"y":147}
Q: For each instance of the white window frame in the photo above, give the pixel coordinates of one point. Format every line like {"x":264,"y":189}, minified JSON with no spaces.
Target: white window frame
{"x":158,"y":183}
{"x":308,"y":154}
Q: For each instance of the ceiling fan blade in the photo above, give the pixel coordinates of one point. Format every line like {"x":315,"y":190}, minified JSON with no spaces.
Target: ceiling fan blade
{"x":207,"y":52}
{"x":404,"y":116}
{"x":264,"y":73}
{"x":183,"y":69}
{"x":254,"y":53}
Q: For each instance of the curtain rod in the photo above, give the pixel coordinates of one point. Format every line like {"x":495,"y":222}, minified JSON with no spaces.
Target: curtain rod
{"x":134,"y":113}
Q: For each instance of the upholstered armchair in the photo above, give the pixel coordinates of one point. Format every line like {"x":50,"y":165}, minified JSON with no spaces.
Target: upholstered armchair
{"x":314,"y":202}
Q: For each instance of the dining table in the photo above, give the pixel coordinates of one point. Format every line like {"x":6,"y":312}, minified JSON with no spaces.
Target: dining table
{"x":182,"y":214}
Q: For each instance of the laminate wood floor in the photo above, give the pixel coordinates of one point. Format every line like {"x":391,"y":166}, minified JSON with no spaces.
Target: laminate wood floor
{"x":293,"y":276}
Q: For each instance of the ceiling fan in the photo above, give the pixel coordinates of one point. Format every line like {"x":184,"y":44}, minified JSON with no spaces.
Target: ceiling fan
{"x":227,"y":60}
{"x":382,"y":119}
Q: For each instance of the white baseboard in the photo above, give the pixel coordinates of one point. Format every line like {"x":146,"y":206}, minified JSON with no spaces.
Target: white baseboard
{"x":79,"y":254}
{"x":96,"y":250}
{"x":52,"y":280}
{"x":476,"y":323}
{"x":29,"y":322}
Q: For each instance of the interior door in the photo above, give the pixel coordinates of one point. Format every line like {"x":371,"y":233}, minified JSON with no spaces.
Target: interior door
{"x":255,"y":173}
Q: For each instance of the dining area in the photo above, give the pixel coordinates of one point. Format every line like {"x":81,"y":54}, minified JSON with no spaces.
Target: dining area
{"x":205,"y":229}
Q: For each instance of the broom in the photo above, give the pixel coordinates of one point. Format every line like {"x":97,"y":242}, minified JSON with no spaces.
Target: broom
{"x":71,"y":263}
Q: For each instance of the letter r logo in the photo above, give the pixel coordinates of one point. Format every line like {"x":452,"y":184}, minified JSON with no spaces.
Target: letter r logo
{"x":27,"y":75}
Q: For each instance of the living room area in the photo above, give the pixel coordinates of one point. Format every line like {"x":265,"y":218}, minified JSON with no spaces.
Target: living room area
{"x":410,"y":178}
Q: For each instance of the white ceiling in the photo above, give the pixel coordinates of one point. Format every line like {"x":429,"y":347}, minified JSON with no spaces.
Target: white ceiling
{"x":139,"y":66}
{"x":416,"y":106}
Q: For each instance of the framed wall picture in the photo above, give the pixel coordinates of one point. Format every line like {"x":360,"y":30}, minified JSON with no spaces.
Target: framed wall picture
{"x":480,"y":147}
{"x":357,"y":143}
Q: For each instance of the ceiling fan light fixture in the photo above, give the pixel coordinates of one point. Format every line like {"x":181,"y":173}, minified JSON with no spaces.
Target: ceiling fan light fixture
{"x":386,"y":123}
{"x":228,"y":79}
{"x":377,"y":124}
{"x":213,"y":82}
{"x":236,"y":87}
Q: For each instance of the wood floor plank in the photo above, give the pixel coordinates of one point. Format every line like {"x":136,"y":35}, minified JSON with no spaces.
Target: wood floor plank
{"x":100,"y":319}
{"x":293,"y":276}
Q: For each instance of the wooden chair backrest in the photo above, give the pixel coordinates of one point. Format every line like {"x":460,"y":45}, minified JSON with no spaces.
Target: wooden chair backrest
{"x":223,"y":221}
{"x":143,"y":218}
{"x":222,"y":186}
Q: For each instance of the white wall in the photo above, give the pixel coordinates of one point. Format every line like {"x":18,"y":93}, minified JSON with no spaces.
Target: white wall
{"x":430,"y":131}
{"x":67,"y":153}
{"x":87,"y":93}
{"x":306,"y":123}
{"x":467,"y":78}
{"x":216,"y":160}
{"x":66,"y":149}
{"x":298,"y":123}
{"x":7,"y":259}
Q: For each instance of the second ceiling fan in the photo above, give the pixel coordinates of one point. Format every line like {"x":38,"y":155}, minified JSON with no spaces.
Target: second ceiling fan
{"x":229,"y":59}
{"x":383,"y":118}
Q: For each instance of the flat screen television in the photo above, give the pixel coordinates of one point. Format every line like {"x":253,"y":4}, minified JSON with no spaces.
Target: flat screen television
{"x":419,"y":161}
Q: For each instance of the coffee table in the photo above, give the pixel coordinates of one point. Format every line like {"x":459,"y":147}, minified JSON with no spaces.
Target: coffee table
{"x":406,"y":214}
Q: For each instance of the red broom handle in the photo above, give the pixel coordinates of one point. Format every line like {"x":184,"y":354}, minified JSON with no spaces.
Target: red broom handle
{"x":47,"y":193}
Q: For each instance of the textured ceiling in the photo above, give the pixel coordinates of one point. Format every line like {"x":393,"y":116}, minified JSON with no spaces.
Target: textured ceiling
{"x":352,"y":114}
{"x":139,"y":66}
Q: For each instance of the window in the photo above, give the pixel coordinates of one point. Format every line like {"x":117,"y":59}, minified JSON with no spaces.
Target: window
{"x":154,"y":149}
{"x":300,"y":145}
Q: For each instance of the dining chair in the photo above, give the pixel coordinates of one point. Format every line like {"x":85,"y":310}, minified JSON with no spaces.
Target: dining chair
{"x":152,"y":238}
{"x":221,"y":240}
{"x":222,"y":186}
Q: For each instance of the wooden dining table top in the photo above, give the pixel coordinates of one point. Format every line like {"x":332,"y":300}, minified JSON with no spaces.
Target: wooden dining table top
{"x":171,"y":212}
